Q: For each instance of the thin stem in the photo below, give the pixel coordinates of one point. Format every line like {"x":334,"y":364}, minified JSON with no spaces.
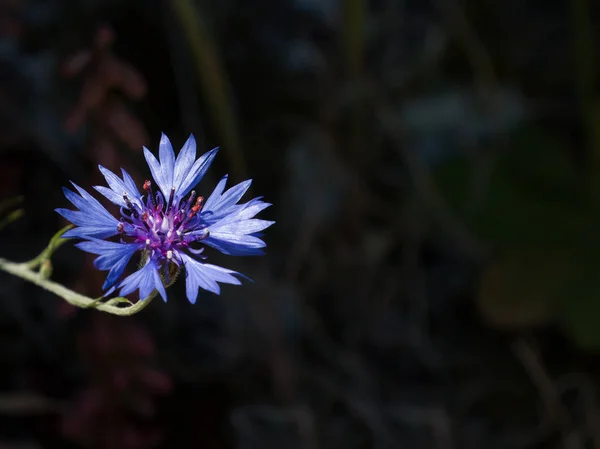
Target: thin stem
{"x":24,"y":271}
{"x":55,"y":242}
{"x":39,"y":269}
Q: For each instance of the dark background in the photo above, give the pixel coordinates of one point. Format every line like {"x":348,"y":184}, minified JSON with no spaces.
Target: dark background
{"x":432,"y":280}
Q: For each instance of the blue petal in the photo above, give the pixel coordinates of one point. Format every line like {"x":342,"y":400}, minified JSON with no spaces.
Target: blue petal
{"x":239,"y":227}
{"x":92,"y":218}
{"x":119,"y":187}
{"x":111,"y":196}
{"x":81,"y":218}
{"x":109,"y":292}
{"x":157,"y":174}
{"x":113,"y":257}
{"x":220,"y":205}
{"x":184,"y":162}
{"x":86,"y":232}
{"x":196,"y":173}
{"x":229,"y":198}
{"x":85,"y":202}
{"x":167,"y":163}
{"x":205,"y":276}
{"x":231,"y":248}
{"x":252,"y":208}
{"x":88,"y":225}
{"x":234,"y":194}
{"x":130,"y":183}
{"x":236,"y":240}
{"x":232,"y":228}
{"x":146,"y":280}
{"x":212,"y":200}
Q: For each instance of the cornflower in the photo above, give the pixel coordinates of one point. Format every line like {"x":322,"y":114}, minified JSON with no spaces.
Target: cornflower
{"x":167,"y":227}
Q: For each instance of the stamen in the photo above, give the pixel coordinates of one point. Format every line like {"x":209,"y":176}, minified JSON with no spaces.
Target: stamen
{"x":148,"y":190}
{"x":205,"y":235}
{"x":197,"y":206}
{"x":160,"y":202}
{"x":129,"y":205}
{"x":171,"y":197}
{"x":191,"y":198}
{"x":121,"y":228}
{"x":127,"y":201}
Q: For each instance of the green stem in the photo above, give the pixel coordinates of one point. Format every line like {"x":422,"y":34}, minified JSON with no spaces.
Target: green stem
{"x":55,"y":242}
{"x":36,"y":272}
{"x":23,"y":271}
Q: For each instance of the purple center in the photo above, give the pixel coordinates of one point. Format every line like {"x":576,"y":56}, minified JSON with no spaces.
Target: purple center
{"x":162,"y":227}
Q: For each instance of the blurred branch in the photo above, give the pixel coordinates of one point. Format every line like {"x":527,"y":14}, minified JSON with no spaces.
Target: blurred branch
{"x":585,"y":77}
{"x":436,"y":205}
{"x":12,"y":216}
{"x":185,"y":78}
{"x":244,"y":420}
{"x":353,"y":40}
{"x":436,"y":418}
{"x":27,"y":403}
{"x":467,"y":37}
{"x":549,"y":393}
{"x":587,"y":400}
{"x":214,"y":81}
{"x":429,"y":193}
{"x":353,"y":31}
{"x":366,"y":411}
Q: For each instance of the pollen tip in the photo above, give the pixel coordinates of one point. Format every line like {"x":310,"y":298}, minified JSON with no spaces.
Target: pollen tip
{"x":171,"y":198}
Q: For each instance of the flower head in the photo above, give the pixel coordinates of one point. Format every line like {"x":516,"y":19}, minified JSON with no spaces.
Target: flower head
{"x":168,"y":226}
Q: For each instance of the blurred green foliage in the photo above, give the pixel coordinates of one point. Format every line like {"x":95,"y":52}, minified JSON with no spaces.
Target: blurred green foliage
{"x":533,"y":205}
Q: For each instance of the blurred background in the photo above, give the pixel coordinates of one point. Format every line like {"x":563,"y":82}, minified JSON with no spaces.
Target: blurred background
{"x":433,"y":278}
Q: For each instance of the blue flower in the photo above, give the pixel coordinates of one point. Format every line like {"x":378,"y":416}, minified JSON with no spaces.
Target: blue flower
{"x":169,"y":228}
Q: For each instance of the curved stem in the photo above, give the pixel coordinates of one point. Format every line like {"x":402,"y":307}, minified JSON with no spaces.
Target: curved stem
{"x":24,"y":271}
{"x":55,"y":242}
{"x":38,"y":270}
